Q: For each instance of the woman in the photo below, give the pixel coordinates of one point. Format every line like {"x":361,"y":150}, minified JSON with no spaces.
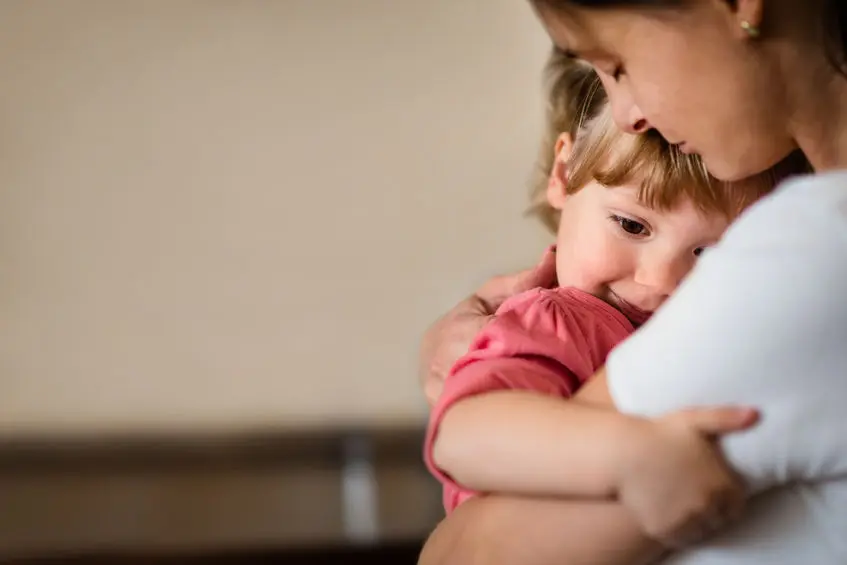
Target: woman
{"x":762,"y":320}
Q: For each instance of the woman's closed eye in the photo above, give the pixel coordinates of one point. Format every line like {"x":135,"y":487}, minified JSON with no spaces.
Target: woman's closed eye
{"x":613,"y":71}
{"x":630,"y":226}
{"x":617,"y":73}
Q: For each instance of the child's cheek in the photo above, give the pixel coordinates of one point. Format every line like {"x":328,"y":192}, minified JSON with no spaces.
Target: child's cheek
{"x":582,"y":263}
{"x":596,"y":265}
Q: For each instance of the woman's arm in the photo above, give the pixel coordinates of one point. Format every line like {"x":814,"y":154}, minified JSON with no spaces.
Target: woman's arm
{"x":501,"y":530}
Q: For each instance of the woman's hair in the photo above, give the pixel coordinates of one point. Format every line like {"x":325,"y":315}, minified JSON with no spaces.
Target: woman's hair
{"x":833,"y":21}
{"x":578,"y":105}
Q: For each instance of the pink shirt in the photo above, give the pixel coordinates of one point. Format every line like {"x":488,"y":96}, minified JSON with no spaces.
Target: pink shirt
{"x":545,"y":340}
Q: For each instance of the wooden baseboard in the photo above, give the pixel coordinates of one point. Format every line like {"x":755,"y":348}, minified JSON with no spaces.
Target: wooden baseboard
{"x":208,"y":495}
{"x":171,"y":451}
{"x":398,"y":553}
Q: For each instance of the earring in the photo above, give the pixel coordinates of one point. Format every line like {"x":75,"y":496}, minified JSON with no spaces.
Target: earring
{"x":752,"y":31}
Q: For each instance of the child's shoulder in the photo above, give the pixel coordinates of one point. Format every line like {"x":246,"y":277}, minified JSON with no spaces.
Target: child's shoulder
{"x":535,"y":297}
{"x":558,"y":302}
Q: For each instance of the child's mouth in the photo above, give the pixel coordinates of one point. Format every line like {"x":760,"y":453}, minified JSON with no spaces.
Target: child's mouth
{"x":635,"y":314}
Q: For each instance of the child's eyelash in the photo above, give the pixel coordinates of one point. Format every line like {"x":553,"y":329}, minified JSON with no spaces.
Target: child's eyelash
{"x":630,"y":226}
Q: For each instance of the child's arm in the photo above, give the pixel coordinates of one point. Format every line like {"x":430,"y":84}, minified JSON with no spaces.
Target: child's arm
{"x":525,"y":443}
{"x":507,"y":530}
{"x":502,"y":423}
{"x":664,"y":470}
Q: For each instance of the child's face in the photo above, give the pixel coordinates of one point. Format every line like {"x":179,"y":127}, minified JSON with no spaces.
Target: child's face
{"x":631,"y":256}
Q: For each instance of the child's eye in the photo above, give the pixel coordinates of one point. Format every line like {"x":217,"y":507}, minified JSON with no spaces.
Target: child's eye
{"x":630,"y":226}
{"x":698,"y":251}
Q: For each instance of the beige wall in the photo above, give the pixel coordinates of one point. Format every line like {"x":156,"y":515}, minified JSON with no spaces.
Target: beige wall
{"x":230,"y":214}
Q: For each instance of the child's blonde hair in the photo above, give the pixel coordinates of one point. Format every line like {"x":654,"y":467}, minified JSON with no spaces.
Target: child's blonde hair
{"x":577,"y":105}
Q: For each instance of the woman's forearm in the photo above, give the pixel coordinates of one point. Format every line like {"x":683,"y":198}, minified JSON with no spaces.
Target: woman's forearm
{"x":500,"y":530}
{"x":525,"y":443}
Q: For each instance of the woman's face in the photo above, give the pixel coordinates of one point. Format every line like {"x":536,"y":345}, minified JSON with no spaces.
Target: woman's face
{"x":691,"y":73}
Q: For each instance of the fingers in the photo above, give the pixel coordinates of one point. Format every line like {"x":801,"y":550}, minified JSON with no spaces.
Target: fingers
{"x":724,"y":512}
{"x":726,"y":509}
{"x":716,"y":512}
{"x":498,"y":289}
{"x":719,"y":421}
{"x":693,"y":533}
{"x":542,"y":275}
{"x":449,"y":337}
{"x":700,"y":528}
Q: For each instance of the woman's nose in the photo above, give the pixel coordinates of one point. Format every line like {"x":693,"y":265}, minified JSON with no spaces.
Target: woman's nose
{"x":628,"y":116}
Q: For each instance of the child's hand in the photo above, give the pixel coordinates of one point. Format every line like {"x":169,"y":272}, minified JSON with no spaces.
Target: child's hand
{"x":675,"y":480}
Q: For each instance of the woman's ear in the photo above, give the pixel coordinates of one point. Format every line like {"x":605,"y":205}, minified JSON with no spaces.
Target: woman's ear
{"x":558,"y":181}
{"x":748,"y":16}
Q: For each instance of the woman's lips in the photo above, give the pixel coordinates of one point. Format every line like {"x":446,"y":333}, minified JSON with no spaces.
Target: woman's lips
{"x":685,"y":148}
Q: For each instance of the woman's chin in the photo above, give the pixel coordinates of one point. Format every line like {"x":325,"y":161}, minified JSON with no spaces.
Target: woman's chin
{"x":730,"y":169}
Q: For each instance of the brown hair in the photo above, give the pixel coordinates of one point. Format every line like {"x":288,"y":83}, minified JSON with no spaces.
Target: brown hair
{"x":574,"y":96}
{"x":577,"y":104}
{"x":833,"y":20}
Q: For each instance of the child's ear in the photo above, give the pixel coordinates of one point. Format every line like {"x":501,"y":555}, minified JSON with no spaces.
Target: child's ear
{"x":558,"y":181}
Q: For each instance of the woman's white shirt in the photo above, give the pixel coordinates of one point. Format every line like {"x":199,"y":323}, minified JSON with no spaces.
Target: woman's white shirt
{"x":762,"y":321}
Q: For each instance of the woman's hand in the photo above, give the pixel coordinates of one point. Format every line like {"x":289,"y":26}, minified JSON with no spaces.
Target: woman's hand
{"x":451,"y":335}
{"x":675,"y":480}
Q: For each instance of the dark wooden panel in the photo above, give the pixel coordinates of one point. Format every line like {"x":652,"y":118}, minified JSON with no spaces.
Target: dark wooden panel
{"x":207,"y":494}
{"x":396,"y":553}
{"x":261,"y":448}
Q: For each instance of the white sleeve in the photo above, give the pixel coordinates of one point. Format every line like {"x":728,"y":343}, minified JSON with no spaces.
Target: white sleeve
{"x":761,"y":321}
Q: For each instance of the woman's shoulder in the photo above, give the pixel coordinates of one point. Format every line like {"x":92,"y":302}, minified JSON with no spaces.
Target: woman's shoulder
{"x":820,"y":197}
{"x":805,"y":218}
{"x":818,"y":189}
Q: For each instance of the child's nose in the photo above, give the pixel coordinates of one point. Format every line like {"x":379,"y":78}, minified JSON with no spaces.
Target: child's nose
{"x":661,"y":275}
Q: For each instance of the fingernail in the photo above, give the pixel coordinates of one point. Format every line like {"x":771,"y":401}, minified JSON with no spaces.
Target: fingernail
{"x":547,"y":252}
